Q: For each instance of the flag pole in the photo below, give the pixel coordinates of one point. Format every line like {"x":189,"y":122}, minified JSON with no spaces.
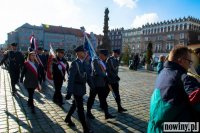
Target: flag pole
{"x":85,"y":35}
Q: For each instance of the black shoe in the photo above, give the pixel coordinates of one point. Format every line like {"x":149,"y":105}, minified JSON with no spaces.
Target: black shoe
{"x":33,"y":110}
{"x":90,"y":115}
{"x":70,"y":123}
{"x":88,"y":131}
{"x":14,"y":93}
{"x":120,"y":110}
{"x":101,"y":107}
{"x":28,"y":103}
{"x":55,"y":101}
{"x":109,"y":116}
{"x":60,"y":104}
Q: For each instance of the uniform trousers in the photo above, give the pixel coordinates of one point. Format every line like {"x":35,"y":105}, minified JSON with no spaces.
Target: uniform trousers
{"x":78,"y":103}
{"x":14,"y":77}
{"x":115,"y":88}
{"x":57,"y":94}
{"x":102,"y":94}
{"x":42,"y":74}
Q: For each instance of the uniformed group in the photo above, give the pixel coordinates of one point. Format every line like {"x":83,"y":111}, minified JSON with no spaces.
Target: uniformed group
{"x":101,"y":74}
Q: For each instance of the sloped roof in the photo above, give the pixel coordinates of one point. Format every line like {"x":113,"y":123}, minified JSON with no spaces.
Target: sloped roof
{"x":27,"y":25}
{"x":62,"y":30}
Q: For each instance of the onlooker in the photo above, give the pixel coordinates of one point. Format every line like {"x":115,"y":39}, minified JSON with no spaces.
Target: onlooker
{"x":160,"y":63}
{"x":136,"y":61}
{"x":197,"y":52}
{"x":169,"y":101}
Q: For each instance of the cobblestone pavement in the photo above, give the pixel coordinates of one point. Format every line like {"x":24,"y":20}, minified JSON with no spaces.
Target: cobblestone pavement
{"x":135,"y":89}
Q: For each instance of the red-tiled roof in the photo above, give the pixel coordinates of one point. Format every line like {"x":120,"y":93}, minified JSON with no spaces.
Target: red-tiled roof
{"x":62,"y":30}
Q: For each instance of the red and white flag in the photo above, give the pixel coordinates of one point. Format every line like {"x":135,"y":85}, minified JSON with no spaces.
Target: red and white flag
{"x":49,"y":74}
{"x":33,"y":43}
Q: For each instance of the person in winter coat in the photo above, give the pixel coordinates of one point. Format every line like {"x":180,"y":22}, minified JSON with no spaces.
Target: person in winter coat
{"x":160,"y":63}
{"x":169,"y":101}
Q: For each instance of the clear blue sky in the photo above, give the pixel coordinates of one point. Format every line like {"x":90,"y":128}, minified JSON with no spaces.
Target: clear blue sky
{"x":90,"y":13}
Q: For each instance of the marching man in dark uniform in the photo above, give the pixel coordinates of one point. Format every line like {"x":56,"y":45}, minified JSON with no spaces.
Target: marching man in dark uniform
{"x":113,"y":78}
{"x":99,"y":78}
{"x":42,"y":64}
{"x":59,"y":68}
{"x":78,"y":76}
{"x":15,"y":62}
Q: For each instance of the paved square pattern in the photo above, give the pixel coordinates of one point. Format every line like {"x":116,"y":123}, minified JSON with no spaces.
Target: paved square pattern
{"x":135,"y":90}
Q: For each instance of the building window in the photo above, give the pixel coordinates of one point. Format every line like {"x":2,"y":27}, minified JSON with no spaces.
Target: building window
{"x":169,"y":46}
{"x":181,"y":27}
{"x":165,"y":29}
{"x":151,"y":31}
{"x":176,"y":27}
{"x":170,"y":36}
{"x":159,"y":38}
{"x":158,"y":30}
{"x":158,"y":48}
{"x":161,"y":29}
{"x":168,"y":28}
{"x":181,"y":35}
{"x":172,"y":28}
{"x":146,"y":38}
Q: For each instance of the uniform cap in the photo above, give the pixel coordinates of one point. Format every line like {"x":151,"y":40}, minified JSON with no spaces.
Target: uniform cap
{"x":14,"y":44}
{"x":117,"y":51}
{"x":104,"y":52}
{"x":60,"y":50}
{"x":79,"y":48}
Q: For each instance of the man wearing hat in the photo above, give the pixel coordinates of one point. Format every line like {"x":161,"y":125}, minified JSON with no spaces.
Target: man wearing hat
{"x":15,"y":62}
{"x":113,"y":78}
{"x":78,"y":76}
{"x":59,"y":68}
{"x":99,"y":78}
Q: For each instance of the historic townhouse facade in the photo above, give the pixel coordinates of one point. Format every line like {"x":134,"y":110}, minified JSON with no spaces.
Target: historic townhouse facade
{"x":115,"y":36}
{"x":46,"y":35}
{"x":165,"y":35}
{"x":132,"y":39}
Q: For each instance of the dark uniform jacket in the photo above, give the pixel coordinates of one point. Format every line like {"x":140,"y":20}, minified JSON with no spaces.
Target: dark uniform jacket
{"x":15,"y":60}
{"x":98,"y":74}
{"x":43,"y":59}
{"x":58,"y":75}
{"x":79,"y":74}
{"x":31,"y":80}
{"x":112,"y":69}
